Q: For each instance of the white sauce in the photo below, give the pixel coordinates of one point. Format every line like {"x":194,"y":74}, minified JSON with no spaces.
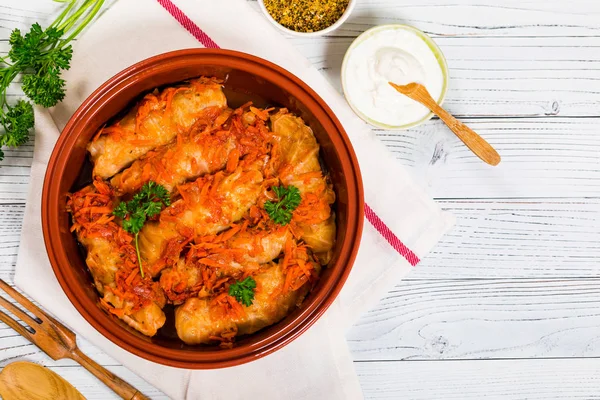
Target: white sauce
{"x":399,"y":56}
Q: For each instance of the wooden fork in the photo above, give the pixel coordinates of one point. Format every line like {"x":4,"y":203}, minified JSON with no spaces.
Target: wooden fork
{"x":58,"y":341}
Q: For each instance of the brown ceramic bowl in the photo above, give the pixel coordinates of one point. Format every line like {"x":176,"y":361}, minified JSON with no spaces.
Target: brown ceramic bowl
{"x":246,"y":77}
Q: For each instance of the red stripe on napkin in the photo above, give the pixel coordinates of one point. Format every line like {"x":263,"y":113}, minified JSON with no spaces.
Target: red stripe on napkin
{"x":371,"y":216}
{"x":391,"y":238}
{"x":188,"y":24}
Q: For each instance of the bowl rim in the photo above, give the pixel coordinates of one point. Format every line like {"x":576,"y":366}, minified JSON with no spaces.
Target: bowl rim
{"x":64,"y":272}
{"x":324,"y":31}
{"x":435,"y":49}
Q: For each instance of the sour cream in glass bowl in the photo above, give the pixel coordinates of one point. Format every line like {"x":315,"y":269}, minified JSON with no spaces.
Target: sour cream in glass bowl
{"x":396,"y":53}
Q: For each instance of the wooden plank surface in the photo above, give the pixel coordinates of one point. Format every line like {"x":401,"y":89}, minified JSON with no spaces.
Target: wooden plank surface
{"x":517,"y":278}
{"x":465,"y":380}
{"x":482,"y":319}
{"x":480,"y":18}
{"x":518,"y":238}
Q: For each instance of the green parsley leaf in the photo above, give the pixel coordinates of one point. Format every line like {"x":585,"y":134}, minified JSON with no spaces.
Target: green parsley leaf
{"x":243,"y":291}
{"x":17,"y":121}
{"x":15,"y":39}
{"x":46,"y":88}
{"x":146,"y":203}
{"x":120,"y":210}
{"x":288,"y":200}
{"x":153,"y":208}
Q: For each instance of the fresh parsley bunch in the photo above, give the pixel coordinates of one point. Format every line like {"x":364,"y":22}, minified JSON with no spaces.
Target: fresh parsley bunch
{"x":243,"y":291}
{"x":145,"y":204}
{"x":40,"y":55}
{"x":288,"y":199}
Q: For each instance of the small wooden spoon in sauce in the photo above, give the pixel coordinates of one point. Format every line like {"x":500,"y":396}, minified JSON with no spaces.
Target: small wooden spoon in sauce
{"x":476,"y":143}
{"x":23,"y":380}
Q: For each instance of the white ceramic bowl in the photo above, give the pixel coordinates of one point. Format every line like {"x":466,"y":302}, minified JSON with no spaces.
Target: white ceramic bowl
{"x":434,"y":49}
{"x":322,"y":32}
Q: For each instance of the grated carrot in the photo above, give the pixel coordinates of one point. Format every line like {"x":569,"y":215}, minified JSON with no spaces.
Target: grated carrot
{"x":233,"y":160}
{"x":183,"y":194}
{"x":229,"y":233}
{"x":220,"y":282}
{"x":131,"y":276}
{"x":98,"y":134}
{"x":94,"y":210}
{"x":170,"y":94}
{"x":211,"y":263}
{"x":146,"y":106}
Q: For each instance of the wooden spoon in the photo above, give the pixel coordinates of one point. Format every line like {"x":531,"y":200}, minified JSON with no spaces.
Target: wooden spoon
{"x":23,"y":380}
{"x":476,"y":143}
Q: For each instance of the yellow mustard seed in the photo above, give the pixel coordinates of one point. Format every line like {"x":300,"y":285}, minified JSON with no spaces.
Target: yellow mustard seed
{"x":306,"y":15}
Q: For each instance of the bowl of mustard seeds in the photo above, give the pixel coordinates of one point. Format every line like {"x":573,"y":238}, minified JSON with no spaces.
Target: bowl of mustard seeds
{"x":307,"y":17}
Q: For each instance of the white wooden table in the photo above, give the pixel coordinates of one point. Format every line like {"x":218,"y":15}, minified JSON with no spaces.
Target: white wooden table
{"x":508,"y":304}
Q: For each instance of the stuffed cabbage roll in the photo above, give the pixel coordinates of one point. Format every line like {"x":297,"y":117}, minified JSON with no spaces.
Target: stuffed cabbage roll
{"x":207,"y":149}
{"x":249,"y":246}
{"x":147,"y":317}
{"x":91,"y":208}
{"x":155,"y":121}
{"x":298,"y":152}
{"x":112,"y":261}
{"x":221,"y":318}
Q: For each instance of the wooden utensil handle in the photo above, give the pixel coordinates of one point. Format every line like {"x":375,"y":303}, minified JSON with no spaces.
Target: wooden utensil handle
{"x":118,"y":385}
{"x":476,"y":143}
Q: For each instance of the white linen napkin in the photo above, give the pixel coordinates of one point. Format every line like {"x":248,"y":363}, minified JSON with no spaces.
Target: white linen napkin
{"x":403,"y":224}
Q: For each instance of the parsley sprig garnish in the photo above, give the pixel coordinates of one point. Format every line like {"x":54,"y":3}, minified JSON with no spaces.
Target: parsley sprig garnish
{"x":40,"y":55}
{"x":288,"y":199}
{"x":145,"y":204}
{"x":243,"y":291}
